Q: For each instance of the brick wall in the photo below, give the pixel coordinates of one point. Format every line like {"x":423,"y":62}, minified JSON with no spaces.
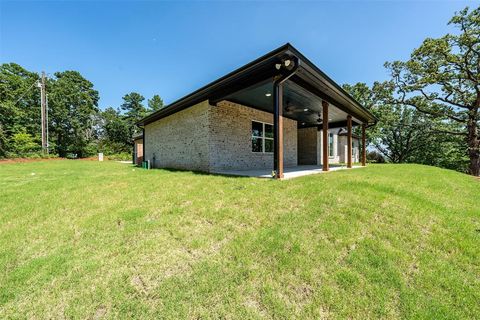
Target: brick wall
{"x":217,"y":138}
{"x":307,"y":146}
{"x":180,"y":141}
{"x":213,"y":138}
{"x":230,"y":127}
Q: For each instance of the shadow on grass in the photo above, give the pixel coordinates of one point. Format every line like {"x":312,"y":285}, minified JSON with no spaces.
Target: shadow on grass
{"x":201,"y":173}
{"x":232,"y":175}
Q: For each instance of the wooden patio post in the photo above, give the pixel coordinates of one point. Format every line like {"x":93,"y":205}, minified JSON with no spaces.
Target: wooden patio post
{"x":364,"y":146}
{"x":278,"y":130}
{"x":325,"y":135}
{"x":349,"y":141}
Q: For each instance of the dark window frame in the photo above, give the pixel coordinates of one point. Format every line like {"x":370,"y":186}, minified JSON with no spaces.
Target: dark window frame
{"x":331,"y":145}
{"x":263,"y":136}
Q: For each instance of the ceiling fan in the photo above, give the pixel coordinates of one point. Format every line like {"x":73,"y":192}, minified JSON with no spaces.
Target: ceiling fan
{"x":291,"y":109}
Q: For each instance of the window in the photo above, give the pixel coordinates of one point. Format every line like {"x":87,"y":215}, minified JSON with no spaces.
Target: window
{"x":330,"y":145}
{"x":262,"y":137}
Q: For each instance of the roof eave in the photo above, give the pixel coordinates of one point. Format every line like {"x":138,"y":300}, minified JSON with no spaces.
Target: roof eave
{"x":306,"y":62}
{"x":206,"y":91}
{"x":202,"y":93}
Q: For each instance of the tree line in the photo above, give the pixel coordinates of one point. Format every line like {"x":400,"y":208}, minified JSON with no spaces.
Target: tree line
{"x":77,"y":127}
{"x":428,"y":111}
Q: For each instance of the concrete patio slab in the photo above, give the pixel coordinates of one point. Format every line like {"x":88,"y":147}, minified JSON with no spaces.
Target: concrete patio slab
{"x":289,"y":173}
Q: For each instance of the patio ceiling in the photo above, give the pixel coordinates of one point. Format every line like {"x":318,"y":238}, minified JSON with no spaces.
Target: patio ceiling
{"x":299,"y":104}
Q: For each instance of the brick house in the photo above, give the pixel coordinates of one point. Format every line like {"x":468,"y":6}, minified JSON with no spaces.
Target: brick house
{"x":277,"y":112}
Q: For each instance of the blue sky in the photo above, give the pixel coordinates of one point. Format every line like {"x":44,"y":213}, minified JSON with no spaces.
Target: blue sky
{"x":173,"y":48}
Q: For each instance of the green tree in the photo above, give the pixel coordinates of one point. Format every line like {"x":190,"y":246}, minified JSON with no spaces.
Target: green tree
{"x":404,"y":134}
{"x":3,"y":143}
{"x":133,"y":107}
{"x":442,"y":80}
{"x":442,"y":150}
{"x":19,"y":101}
{"x":73,"y":104}
{"x":23,"y":143}
{"x":117,"y":136}
{"x":367,"y":98}
{"x":155,"y":104}
{"x":400,"y":131}
{"x":134,"y":110}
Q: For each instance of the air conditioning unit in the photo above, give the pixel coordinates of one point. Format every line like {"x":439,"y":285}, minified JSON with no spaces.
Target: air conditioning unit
{"x":146,"y":165}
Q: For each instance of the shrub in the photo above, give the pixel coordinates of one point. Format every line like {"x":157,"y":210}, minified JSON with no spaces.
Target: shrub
{"x":375,"y":157}
{"x":3,"y":143}
{"x":23,"y":144}
{"x":124,"y":156}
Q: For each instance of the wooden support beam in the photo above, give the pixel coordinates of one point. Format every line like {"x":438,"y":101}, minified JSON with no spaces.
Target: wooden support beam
{"x":325,"y":135}
{"x":278,"y":130}
{"x":349,"y":141}
{"x":364,"y":145}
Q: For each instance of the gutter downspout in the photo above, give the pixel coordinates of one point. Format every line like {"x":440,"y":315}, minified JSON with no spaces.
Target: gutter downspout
{"x":143,"y":143}
{"x":285,"y":63}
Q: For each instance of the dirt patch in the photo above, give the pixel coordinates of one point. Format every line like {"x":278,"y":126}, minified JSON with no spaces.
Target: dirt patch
{"x":139,"y":284}
{"x":303,"y":292}
{"x":22,"y":160}
{"x":25,"y":160}
{"x":100,"y":313}
{"x":253,"y":303}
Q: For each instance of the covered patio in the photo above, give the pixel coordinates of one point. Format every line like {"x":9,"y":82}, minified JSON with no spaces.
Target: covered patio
{"x":275,"y":114}
{"x":286,"y":84}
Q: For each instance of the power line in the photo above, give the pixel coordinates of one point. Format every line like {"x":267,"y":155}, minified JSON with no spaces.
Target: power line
{"x":26,"y":91}
{"x":43,"y":109}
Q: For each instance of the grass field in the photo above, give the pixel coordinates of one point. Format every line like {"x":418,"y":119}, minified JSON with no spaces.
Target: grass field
{"x":94,"y":240}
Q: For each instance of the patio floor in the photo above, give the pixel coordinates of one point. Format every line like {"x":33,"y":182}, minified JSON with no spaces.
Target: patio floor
{"x":289,"y":172}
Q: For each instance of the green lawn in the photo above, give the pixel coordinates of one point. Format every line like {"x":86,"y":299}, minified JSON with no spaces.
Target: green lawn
{"x":95,"y":240}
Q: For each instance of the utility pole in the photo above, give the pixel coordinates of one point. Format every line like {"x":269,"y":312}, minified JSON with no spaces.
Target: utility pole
{"x":43,"y":107}
{"x":46,"y":123}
